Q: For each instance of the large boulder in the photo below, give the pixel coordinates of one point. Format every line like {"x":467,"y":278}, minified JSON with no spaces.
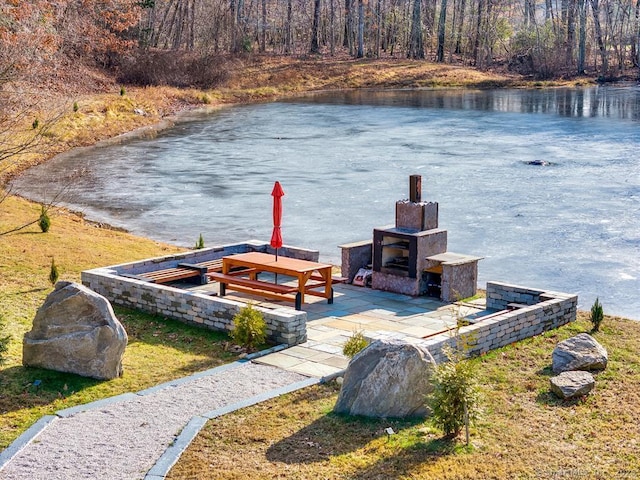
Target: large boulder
{"x":572,"y":384}
{"x":389,"y":378}
{"x":76,"y":331}
{"x":581,"y":352}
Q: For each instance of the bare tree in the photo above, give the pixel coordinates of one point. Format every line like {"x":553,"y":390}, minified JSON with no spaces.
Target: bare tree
{"x":636,"y":57}
{"x":595,"y":8}
{"x":442,"y":21}
{"x":360,"y":50}
{"x":582,"y":35}
{"x":315,"y":45}
{"x":416,"y":42}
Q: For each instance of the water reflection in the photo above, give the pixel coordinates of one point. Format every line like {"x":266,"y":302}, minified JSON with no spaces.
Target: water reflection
{"x":622,"y":103}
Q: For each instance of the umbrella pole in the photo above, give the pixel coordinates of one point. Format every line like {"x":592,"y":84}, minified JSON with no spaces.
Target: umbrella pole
{"x":276,"y":261}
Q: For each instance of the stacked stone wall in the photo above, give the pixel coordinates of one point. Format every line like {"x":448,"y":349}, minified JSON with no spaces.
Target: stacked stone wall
{"x":284,"y":325}
{"x":500,"y":295}
{"x":504,"y":327}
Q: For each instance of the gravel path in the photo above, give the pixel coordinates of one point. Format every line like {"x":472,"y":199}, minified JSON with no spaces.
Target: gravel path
{"x":123,"y":440}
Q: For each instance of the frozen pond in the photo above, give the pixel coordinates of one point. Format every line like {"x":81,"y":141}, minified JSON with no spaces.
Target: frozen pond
{"x":344,"y":159}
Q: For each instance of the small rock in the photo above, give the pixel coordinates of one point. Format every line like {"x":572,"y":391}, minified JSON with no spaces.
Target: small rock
{"x":572,"y":384}
{"x":581,"y":352}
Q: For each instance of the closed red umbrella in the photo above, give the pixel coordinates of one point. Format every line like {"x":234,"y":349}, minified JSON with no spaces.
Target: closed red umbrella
{"x":276,"y":236}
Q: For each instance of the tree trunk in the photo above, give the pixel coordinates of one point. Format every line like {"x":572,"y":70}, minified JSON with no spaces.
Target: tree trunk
{"x":582,"y":34}
{"x":263,"y":28}
{"x":416,"y":45}
{"x":460,"y":27}
{"x":233,"y":26}
{"x":315,"y":45}
{"x":360,"y":52}
{"x":441,"y":31}
{"x":378,"y":27}
{"x":192,"y":26}
{"x":571,"y":31}
{"x":476,"y":44}
{"x":287,"y":28}
{"x":595,"y":8}
{"x":636,"y":59}
{"x":348,"y":25}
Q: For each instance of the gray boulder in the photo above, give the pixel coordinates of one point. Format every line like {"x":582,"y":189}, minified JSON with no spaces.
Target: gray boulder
{"x":76,"y":331}
{"x":572,"y":384}
{"x":581,"y":352}
{"x":389,"y":378}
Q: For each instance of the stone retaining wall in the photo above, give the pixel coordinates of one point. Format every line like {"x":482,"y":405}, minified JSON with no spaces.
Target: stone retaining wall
{"x":284,"y":325}
{"x":503,"y":327}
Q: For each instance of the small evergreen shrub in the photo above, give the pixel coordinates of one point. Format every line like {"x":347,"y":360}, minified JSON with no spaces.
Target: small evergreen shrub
{"x":455,"y":400}
{"x":35,"y":124}
{"x":249,"y":328}
{"x":44,"y":222}
{"x":122,"y":91}
{"x":4,"y":341}
{"x":355,"y":344}
{"x":54,"y":274}
{"x":199,"y":243}
{"x":597,"y":315}
{"x":75,"y":106}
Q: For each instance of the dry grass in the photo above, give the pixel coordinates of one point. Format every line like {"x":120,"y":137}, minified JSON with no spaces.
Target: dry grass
{"x":525,"y":433}
{"x":158,"y":350}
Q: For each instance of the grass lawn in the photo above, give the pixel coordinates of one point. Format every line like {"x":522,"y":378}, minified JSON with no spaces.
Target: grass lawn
{"x":525,"y":432}
{"x":159,"y":350}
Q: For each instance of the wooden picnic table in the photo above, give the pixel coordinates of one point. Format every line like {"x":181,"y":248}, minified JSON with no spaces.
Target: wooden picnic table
{"x":312,"y":278}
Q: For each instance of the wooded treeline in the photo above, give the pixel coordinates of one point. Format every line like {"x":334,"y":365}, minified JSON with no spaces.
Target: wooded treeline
{"x":546,"y":37}
{"x":543,"y":37}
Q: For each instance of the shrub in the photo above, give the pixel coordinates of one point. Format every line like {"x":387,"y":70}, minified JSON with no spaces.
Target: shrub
{"x":199,"y":243}
{"x":175,"y":69}
{"x":122,"y":91}
{"x":455,"y":399}
{"x":535,"y":51}
{"x":4,"y":341}
{"x":53,"y":274}
{"x":75,"y":106}
{"x":249,"y":328}
{"x":35,"y":124}
{"x":44,"y":222}
{"x":597,"y":315}
{"x":355,"y":344}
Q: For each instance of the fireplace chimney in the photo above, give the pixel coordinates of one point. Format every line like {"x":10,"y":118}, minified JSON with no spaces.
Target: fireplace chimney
{"x":414,"y":214}
{"x":415,"y":188}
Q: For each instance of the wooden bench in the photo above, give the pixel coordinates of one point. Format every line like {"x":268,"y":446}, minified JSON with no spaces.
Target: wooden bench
{"x":257,"y":287}
{"x":180,"y":272}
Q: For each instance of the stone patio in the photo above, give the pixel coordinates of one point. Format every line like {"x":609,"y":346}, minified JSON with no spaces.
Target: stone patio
{"x":378,"y":314}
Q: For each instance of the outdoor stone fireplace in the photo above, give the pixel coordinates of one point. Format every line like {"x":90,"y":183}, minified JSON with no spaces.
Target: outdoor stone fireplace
{"x":411,"y":256}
